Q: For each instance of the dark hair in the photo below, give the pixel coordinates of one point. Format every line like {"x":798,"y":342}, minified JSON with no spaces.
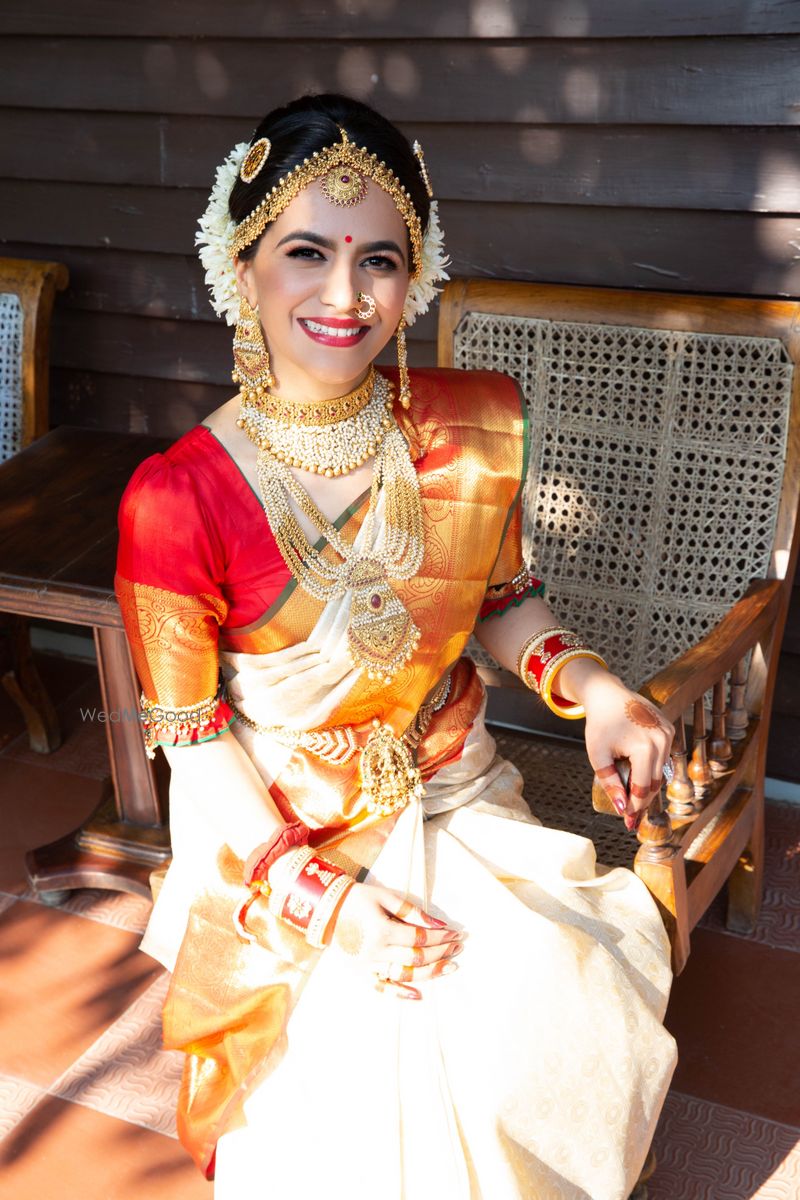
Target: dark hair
{"x":312,"y":123}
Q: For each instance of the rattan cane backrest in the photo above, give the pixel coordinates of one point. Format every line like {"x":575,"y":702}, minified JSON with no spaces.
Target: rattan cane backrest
{"x":11,"y":326}
{"x":657,"y":454}
{"x":27,"y":291}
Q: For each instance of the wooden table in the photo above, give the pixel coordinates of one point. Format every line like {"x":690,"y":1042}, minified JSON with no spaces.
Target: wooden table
{"x":58,"y":545}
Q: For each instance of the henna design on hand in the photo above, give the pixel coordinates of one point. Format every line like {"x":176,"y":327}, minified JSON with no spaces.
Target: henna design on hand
{"x":642,"y":714}
{"x":349,"y":936}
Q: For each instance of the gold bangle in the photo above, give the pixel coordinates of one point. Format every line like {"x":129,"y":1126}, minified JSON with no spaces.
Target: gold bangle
{"x":551,"y":671}
{"x":528,"y":648}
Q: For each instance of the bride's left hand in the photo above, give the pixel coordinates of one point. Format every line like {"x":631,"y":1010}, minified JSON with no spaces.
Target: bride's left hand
{"x":622,"y":724}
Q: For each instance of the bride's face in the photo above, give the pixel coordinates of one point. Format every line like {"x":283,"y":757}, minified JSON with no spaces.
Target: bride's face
{"x":309,"y":266}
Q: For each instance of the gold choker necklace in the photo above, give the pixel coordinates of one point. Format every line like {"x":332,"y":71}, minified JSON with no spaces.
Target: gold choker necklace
{"x":334,"y":447}
{"x":310,"y":412}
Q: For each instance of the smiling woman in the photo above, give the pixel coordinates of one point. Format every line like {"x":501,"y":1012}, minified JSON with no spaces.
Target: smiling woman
{"x":299,"y":576}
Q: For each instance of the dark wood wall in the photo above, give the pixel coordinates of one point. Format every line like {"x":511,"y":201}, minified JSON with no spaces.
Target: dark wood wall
{"x":636,"y":143}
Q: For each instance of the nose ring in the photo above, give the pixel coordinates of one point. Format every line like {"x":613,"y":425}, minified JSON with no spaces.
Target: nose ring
{"x":369,"y":302}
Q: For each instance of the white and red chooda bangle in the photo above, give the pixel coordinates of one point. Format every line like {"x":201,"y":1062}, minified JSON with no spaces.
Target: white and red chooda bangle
{"x":542,"y":657}
{"x":303,"y":889}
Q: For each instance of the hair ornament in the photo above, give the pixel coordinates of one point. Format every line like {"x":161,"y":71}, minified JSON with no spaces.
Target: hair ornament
{"x":423,"y":170}
{"x":220,"y":240}
{"x":254,"y":160}
{"x":214,"y":236}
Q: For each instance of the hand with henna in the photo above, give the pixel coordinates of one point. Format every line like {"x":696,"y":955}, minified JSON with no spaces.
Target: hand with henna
{"x":620,"y":724}
{"x":395,"y":939}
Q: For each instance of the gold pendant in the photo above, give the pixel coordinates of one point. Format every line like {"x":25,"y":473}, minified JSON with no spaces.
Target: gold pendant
{"x":381,"y":634}
{"x":389,"y":775}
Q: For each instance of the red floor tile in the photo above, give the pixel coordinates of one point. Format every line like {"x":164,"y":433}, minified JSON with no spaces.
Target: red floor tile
{"x":63,"y":981}
{"x":734,"y":1012}
{"x":779,"y":919}
{"x":68,"y":1152}
{"x":38,"y":805}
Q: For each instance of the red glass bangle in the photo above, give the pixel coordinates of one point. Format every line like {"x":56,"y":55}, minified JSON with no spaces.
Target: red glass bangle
{"x":541,"y":659}
{"x":282,"y":841}
{"x":540,"y":651}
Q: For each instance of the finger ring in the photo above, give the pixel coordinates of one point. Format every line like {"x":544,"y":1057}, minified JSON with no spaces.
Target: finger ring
{"x":399,"y":973}
{"x":420,"y":937}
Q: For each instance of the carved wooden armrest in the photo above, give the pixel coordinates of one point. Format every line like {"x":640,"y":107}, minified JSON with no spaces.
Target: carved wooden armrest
{"x":686,"y":681}
{"x":678,"y":685}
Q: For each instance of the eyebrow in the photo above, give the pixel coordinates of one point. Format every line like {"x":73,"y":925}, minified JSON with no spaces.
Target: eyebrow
{"x":306,"y":235}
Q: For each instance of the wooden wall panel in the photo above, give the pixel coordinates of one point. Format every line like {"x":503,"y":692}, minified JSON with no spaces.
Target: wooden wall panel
{"x":633,"y":144}
{"x":689,"y":81}
{"x":717,"y":168}
{"x":672,"y":249}
{"x":400,"y":19}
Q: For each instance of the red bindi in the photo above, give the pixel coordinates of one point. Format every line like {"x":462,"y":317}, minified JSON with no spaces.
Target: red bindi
{"x":347,"y":237}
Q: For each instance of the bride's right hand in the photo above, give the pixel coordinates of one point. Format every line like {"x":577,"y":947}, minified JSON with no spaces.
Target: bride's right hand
{"x":395,"y":939}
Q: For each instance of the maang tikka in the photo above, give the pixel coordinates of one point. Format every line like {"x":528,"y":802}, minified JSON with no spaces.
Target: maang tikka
{"x":250,"y":355}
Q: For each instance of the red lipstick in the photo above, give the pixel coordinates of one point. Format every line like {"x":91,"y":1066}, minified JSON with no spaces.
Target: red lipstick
{"x":318,"y":325}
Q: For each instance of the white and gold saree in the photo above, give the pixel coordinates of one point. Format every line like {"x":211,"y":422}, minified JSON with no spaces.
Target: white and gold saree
{"x":536,"y":1070}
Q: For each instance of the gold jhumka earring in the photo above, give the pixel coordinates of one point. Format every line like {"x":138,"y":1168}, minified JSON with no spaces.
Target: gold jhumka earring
{"x":250,"y":355}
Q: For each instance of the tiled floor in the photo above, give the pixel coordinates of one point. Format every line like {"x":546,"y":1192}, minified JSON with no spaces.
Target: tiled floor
{"x":87,"y":1095}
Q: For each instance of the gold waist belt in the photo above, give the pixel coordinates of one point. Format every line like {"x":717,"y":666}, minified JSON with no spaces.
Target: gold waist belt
{"x":389,"y":773}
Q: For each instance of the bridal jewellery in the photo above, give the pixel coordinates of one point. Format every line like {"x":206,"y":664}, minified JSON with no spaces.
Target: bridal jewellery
{"x":389,"y":774}
{"x":220,"y":239}
{"x":381,"y":634}
{"x":331,"y":438}
{"x":369,"y":306}
{"x":543,"y":656}
{"x":254,"y":160}
{"x":250,"y":354}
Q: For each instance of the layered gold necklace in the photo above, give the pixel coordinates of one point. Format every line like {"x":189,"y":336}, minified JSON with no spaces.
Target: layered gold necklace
{"x":381,"y":634}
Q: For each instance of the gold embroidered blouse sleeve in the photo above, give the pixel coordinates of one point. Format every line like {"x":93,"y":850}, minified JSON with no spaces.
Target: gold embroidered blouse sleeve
{"x":169,"y":591}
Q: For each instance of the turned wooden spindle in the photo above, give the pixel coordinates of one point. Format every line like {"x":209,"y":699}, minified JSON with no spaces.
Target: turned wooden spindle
{"x":698,"y":770}
{"x":655,"y":834}
{"x":720,"y":751}
{"x":737,"y":716}
{"x":680,"y":789}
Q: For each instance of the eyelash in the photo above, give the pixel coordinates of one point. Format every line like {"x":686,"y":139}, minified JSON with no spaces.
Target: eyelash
{"x":379,"y":262}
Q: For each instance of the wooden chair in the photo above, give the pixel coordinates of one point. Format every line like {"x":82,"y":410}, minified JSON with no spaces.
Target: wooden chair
{"x":27,"y":293}
{"x":661,"y":510}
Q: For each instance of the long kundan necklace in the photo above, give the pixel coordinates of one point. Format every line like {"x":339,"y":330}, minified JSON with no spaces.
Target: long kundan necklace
{"x":381,"y":633}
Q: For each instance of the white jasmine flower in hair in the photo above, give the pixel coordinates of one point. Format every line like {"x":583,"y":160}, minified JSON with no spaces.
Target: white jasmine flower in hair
{"x":422,"y":291}
{"x":214,"y":238}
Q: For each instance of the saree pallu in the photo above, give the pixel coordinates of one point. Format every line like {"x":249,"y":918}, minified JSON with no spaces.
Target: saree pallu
{"x":539,"y":1068}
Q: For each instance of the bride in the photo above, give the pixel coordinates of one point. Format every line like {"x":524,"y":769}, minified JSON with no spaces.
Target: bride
{"x":388,"y":978}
